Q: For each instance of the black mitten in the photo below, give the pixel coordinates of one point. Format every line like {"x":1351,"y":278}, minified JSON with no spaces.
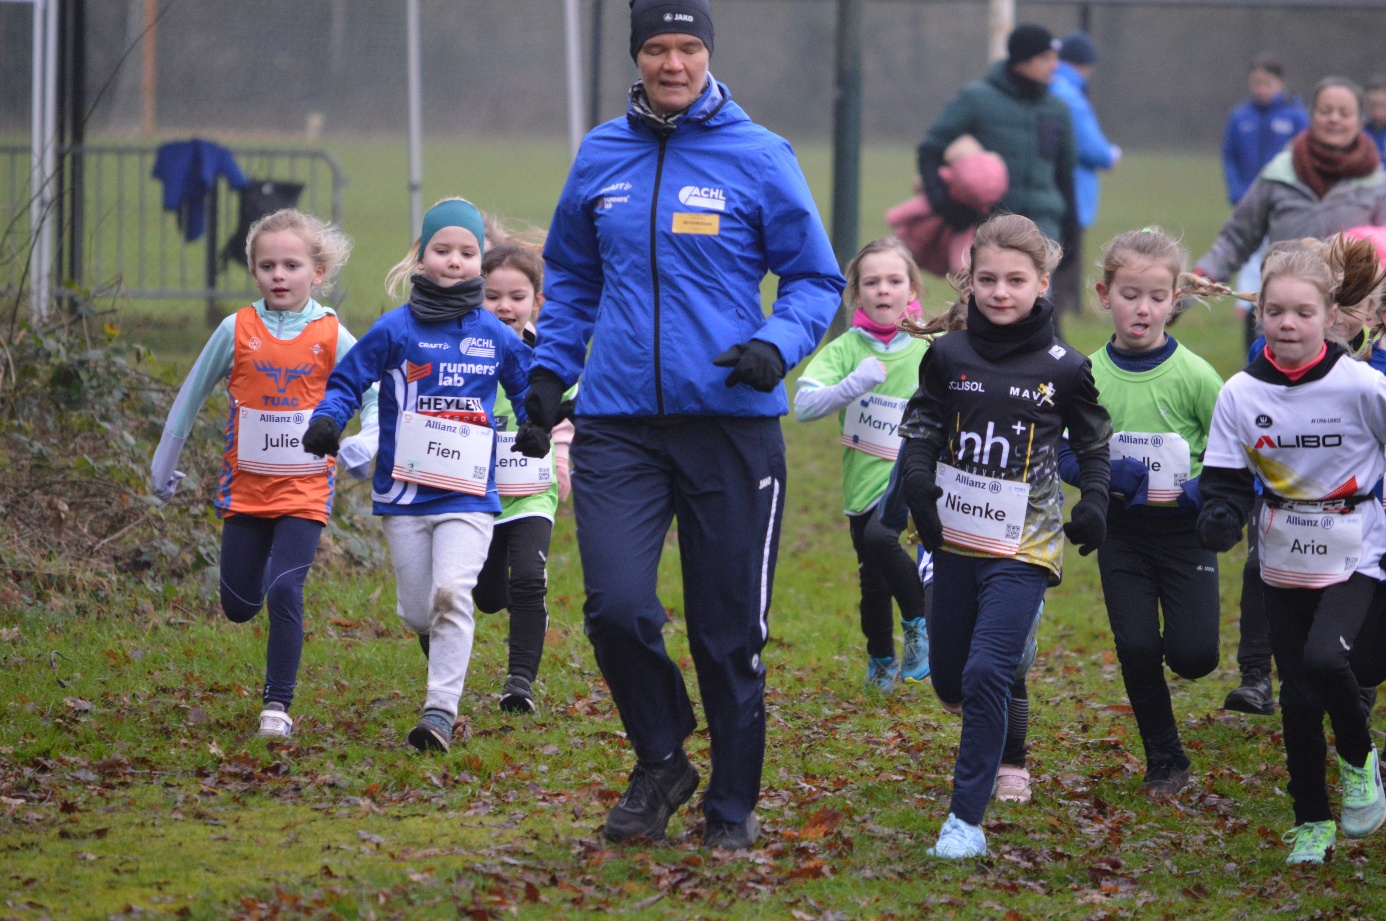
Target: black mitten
{"x":1219,"y":527}
{"x":543,"y":401}
{"x":323,"y":437}
{"x":1087,"y":525}
{"x":531,"y":441}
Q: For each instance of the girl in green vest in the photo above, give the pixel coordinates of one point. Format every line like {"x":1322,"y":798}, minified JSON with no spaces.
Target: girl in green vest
{"x":866,"y":376}
{"x":1160,"y":396}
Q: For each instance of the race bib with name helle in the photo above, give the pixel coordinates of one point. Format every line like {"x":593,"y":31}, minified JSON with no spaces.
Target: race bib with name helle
{"x":872,"y":425}
{"x":443,"y":453}
{"x":1165,"y":454}
{"x":271,"y":443}
{"x":1309,"y":548}
{"x":981,"y":512}
{"x":518,"y":475}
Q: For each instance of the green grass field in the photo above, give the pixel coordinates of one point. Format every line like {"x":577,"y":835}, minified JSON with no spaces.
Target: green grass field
{"x":131,"y":783}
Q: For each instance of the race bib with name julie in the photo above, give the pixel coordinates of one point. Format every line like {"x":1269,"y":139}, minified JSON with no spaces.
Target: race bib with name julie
{"x":443,"y":453}
{"x":518,"y":474}
{"x":981,"y":512}
{"x":1307,"y":546}
{"x":1165,"y":455}
{"x":872,"y":425}
{"x":271,"y":443}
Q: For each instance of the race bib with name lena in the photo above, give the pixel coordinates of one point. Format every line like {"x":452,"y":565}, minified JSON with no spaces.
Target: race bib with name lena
{"x":1306,"y":546}
{"x":981,"y":512}
{"x":517,"y":474}
{"x":872,"y":425}
{"x":1165,"y":454}
{"x":271,"y":443}
{"x":443,"y":453}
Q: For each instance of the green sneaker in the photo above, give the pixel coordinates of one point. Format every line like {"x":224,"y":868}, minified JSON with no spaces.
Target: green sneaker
{"x":1312,"y":841}
{"x":1364,"y":802}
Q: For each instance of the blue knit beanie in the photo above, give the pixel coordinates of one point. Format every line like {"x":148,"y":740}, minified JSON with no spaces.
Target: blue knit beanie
{"x":1077,"y":48}
{"x":454,"y":212}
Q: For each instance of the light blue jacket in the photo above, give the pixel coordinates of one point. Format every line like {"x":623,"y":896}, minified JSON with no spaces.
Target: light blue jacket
{"x":655,"y":258}
{"x":1094,"y":151}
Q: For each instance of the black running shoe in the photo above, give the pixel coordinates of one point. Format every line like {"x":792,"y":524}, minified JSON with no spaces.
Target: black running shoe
{"x":517,"y":696}
{"x":732,"y":835}
{"x":432,"y":733}
{"x":1254,"y":696}
{"x":1164,"y":781}
{"x":655,"y":792}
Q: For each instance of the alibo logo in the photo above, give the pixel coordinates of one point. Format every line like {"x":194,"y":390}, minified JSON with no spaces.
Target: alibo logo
{"x":703,"y":197}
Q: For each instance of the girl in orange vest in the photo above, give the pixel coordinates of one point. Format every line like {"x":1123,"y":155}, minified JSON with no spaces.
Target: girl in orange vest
{"x":273,"y":498}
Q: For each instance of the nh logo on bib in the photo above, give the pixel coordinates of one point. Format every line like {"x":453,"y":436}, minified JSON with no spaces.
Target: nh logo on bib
{"x":702,"y":197}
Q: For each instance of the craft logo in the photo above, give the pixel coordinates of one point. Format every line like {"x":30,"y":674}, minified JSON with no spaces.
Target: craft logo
{"x":478,"y":348}
{"x":433,"y":345}
{"x":413,"y":372}
{"x":282,"y":377}
{"x":702,"y":197}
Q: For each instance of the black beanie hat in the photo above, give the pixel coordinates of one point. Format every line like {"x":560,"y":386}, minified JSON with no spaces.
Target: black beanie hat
{"x":649,"y":18}
{"x":1028,"y":41}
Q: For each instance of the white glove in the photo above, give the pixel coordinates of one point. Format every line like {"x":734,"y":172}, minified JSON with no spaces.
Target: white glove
{"x":165,"y":492}
{"x":816,"y":402}
{"x":870,"y":373}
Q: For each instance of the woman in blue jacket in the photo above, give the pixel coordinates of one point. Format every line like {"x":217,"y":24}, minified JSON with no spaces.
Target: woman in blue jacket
{"x":671,"y":217}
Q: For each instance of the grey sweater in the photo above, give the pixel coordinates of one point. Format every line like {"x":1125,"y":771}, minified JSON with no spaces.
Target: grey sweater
{"x":1280,"y":206}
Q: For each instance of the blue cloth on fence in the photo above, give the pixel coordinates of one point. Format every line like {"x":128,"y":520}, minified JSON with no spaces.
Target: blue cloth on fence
{"x":188,"y":169}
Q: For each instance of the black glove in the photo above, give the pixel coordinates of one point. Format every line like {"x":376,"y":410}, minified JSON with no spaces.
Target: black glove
{"x":531,"y":441}
{"x":1219,"y":527}
{"x":877,"y":536}
{"x":542,"y":403}
{"x":323,"y":437}
{"x":756,"y":363}
{"x":923,"y":503}
{"x":1087,"y":526}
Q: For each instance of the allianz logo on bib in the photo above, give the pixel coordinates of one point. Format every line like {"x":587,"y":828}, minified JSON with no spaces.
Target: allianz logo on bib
{"x":703,"y":197}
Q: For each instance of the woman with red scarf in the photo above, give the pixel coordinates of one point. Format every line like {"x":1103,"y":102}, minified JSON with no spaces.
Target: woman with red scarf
{"x":1327,"y":180}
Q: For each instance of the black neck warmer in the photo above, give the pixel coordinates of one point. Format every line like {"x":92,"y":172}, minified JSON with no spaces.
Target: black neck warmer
{"x":994,"y":342}
{"x":430,"y":302}
{"x":1026,"y":88}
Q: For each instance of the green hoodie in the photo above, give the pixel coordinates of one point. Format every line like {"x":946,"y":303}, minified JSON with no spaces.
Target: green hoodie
{"x":1032,"y":133}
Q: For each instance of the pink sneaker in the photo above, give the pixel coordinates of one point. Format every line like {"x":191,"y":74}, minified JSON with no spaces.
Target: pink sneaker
{"x":1012,"y":785}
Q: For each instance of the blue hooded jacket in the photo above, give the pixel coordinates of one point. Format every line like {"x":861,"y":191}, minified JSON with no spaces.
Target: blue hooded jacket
{"x":655,"y":258}
{"x":1254,"y":135}
{"x":1094,"y":152}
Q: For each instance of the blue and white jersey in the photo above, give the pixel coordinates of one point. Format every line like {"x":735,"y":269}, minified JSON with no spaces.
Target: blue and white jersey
{"x":446,"y":370}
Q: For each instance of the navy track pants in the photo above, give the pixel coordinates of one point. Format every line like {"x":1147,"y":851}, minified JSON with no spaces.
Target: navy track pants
{"x":723,"y":480}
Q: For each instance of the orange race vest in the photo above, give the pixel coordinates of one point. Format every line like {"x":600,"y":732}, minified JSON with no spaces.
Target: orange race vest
{"x":284,"y":379}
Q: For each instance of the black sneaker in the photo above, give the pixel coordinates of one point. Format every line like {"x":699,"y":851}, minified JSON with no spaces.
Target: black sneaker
{"x":516,"y":696}
{"x":432,"y":733}
{"x":1253,"y":696}
{"x":1164,"y":781}
{"x":655,"y":792}
{"x":423,"y":643}
{"x":732,"y":835}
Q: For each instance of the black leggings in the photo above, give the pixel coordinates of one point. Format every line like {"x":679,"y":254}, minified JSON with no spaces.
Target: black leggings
{"x":1312,"y":633}
{"x":515,"y":577}
{"x":1141,"y":581}
{"x":884,"y":576}
{"x":269,"y":558}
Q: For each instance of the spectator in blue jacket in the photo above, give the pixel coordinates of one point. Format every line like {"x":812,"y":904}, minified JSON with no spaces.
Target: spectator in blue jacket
{"x":1077,"y":60}
{"x":670,"y":218}
{"x":1257,"y":130}
{"x":1376,"y":113}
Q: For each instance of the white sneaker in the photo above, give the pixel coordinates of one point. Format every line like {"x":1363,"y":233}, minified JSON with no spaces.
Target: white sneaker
{"x":1012,"y":785}
{"x":959,"y":840}
{"x":275,"y":724}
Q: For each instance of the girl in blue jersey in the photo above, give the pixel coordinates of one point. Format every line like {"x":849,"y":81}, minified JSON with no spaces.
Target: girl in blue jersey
{"x":439,"y":358}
